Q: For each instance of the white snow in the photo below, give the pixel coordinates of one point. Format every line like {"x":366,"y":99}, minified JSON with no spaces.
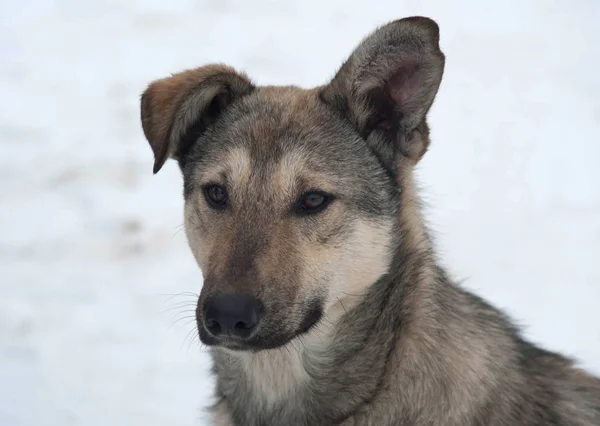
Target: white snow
{"x":91,"y":248}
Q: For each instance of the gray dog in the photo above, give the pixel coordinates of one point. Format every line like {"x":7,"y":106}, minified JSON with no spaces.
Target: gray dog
{"x":322,"y":302}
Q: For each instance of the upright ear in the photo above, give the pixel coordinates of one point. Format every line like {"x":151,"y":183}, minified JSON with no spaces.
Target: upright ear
{"x":176,"y":110}
{"x":388,"y":84}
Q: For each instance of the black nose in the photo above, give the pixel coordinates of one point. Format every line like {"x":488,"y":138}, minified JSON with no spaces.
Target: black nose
{"x":234,"y":315}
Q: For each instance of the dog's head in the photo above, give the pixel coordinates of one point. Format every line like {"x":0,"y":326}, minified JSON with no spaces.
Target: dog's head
{"x":292,"y":195}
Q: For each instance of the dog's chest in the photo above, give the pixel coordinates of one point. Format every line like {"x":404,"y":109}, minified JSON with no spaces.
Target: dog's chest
{"x":264,"y":388}
{"x":269,"y":387}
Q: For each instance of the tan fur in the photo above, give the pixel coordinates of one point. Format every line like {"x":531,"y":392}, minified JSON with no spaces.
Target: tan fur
{"x":291,"y":167}
{"x":362,"y":259}
{"x":410,"y":217}
{"x":237,"y":164}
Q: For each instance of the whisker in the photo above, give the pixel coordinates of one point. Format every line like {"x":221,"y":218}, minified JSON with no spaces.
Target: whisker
{"x":184,"y":312}
{"x":191,"y":320}
{"x":184,"y":318}
{"x":188,"y":305}
{"x":189,"y":336}
{"x":171,"y":296}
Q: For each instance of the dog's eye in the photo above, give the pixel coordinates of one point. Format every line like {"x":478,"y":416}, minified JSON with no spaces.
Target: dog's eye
{"x":313,"y":202}
{"x":216,"y":196}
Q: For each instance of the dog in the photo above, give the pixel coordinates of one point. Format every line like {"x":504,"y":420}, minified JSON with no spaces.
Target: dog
{"x":323,"y":302}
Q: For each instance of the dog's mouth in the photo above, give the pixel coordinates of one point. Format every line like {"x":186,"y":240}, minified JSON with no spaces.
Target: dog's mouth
{"x":268,"y":335}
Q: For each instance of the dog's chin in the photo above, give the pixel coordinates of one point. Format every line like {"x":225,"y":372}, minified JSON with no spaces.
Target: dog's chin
{"x":259,"y":342}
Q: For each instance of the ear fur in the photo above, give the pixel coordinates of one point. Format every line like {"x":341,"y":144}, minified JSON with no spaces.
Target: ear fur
{"x":176,"y":110}
{"x":388,"y":84}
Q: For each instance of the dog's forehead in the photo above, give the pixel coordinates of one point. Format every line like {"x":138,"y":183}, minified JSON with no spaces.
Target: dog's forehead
{"x":280,"y":131}
{"x":274,"y":120}
{"x":284,"y":175}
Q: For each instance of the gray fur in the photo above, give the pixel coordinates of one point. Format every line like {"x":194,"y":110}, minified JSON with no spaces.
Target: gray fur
{"x":411,"y":347}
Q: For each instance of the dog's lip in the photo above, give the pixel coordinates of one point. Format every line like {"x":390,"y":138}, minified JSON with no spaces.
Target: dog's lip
{"x":257,"y":343}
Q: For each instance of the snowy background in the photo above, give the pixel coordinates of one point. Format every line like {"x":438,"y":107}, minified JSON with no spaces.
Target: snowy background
{"x":95,"y":318}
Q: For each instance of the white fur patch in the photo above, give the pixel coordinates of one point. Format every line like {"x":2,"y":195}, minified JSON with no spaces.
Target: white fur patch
{"x":365,"y":257}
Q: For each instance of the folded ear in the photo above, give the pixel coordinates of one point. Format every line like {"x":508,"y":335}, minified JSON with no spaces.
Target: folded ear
{"x":388,"y":84}
{"x":176,"y":110}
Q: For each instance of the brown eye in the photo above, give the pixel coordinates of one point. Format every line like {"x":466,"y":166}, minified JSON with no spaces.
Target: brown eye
{"x":313,"y":202}
{"x":216,"y":196}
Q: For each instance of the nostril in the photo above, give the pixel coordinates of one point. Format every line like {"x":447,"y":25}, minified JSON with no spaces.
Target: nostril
{"x":213,"y":326}
{"x":241,"y":325}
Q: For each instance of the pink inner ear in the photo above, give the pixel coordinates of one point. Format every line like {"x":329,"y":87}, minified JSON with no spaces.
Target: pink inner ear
{"x":404,"y":85}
